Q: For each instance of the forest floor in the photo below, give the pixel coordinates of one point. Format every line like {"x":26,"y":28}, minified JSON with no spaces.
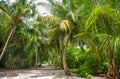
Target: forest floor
{"x":44,"y":72}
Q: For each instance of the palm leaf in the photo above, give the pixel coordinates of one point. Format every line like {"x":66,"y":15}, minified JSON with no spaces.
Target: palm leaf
{"x":65,"y":25}
{"x":5,"y":12}
{"x":96,"y":12}
{"x":53,"y":34}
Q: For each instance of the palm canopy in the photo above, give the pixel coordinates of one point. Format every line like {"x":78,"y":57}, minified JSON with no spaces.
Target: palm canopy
{"x":18,"y":8}
{"x":103,"y":24}
{"x":103,"y":21}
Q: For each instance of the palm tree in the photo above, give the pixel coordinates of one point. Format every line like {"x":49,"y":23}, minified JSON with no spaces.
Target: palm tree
{"x":63,"y":24}
{"x":102,"y":33}
{"x":16,"y":12}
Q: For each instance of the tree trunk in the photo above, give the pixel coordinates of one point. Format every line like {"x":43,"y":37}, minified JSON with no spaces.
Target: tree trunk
{"x":16,"y":21}
{"x":64,"y":55}
{"x":57,"y":55}
{"x":64,"y":63}
{"x":112,"y":71}
{"x":7,"y":41}
{"x":36,"y":56}
{"x":95,"y":2}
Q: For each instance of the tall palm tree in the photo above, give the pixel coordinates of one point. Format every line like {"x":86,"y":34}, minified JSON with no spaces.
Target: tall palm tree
{"x":17,"y":11}
{"x":102,"y":33}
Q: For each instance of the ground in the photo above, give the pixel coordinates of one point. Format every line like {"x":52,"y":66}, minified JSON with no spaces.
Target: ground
{"x":45,"y":72}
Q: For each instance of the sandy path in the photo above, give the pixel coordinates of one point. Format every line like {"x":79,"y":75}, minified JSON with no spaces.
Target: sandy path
{"x":41,"y":73}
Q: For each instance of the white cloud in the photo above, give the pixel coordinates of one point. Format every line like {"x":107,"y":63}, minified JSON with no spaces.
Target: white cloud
{"x":41,"y":9}
{"x":12,"y":1}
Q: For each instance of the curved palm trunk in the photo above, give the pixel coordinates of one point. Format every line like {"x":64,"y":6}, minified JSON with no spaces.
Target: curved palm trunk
{"x":7,"y":41}
{"x":15,"y":23}
{"x":64,"y":55}
{"x":112,"y":71}
{"x":64,"y":62}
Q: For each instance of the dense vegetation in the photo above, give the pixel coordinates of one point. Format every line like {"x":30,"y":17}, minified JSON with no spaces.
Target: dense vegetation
{"x":81,"y":36}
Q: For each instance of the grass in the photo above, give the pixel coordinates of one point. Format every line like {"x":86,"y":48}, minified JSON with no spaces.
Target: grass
{"x":73,"y":70}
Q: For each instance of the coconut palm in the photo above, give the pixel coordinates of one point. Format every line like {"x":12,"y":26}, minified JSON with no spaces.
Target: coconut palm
{"x":17,"y":12}
{"x":102,"y":33}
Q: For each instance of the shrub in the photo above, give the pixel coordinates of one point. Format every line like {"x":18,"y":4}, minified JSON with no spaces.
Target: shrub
{"x":85,"y":61}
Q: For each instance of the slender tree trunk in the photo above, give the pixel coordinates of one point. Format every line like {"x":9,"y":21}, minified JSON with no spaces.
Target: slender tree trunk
{"x":112,"y":71}
{"x":64,"y":55}
{"x":15,"y":23}
{"x":7,"y":41}
{"x":36,"y":57}
{"x":95,"y":2}
{"x":64,"y":63}
{"x":57,"y":54}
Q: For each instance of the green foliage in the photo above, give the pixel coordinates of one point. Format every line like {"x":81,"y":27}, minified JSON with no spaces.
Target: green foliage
{"x":85,"y":61}
{"x":73,"y":70}
{"x":84,"y":74}
{"x":91,"y":65}
{"x":72,"y":57}
{"x":117,"y":59}
{"x":98,"y":26}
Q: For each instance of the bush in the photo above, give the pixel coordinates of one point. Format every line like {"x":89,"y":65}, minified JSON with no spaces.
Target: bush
{"x":85,"y":61}
{"x":73,"y":70}
{"x":84,"y":74}
{"x":72,"y":57}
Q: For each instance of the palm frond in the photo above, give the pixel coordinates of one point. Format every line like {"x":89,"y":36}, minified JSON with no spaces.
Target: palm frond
{"x":5,"y":12}
{"x":66,"y":25}
{"x":53,"y":34}
{"x":105,"y":11}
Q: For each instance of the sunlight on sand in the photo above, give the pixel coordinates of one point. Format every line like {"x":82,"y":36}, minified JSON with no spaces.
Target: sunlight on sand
{"x":45,"y":77}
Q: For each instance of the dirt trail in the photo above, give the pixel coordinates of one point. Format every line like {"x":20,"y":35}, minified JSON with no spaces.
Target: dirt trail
{"x":45,"y":72}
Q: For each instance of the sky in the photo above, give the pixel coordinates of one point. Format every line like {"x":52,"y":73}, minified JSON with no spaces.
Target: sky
{"x":12,"y":0}
{"x":44,"y":11}
{"x":41,"y":10}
